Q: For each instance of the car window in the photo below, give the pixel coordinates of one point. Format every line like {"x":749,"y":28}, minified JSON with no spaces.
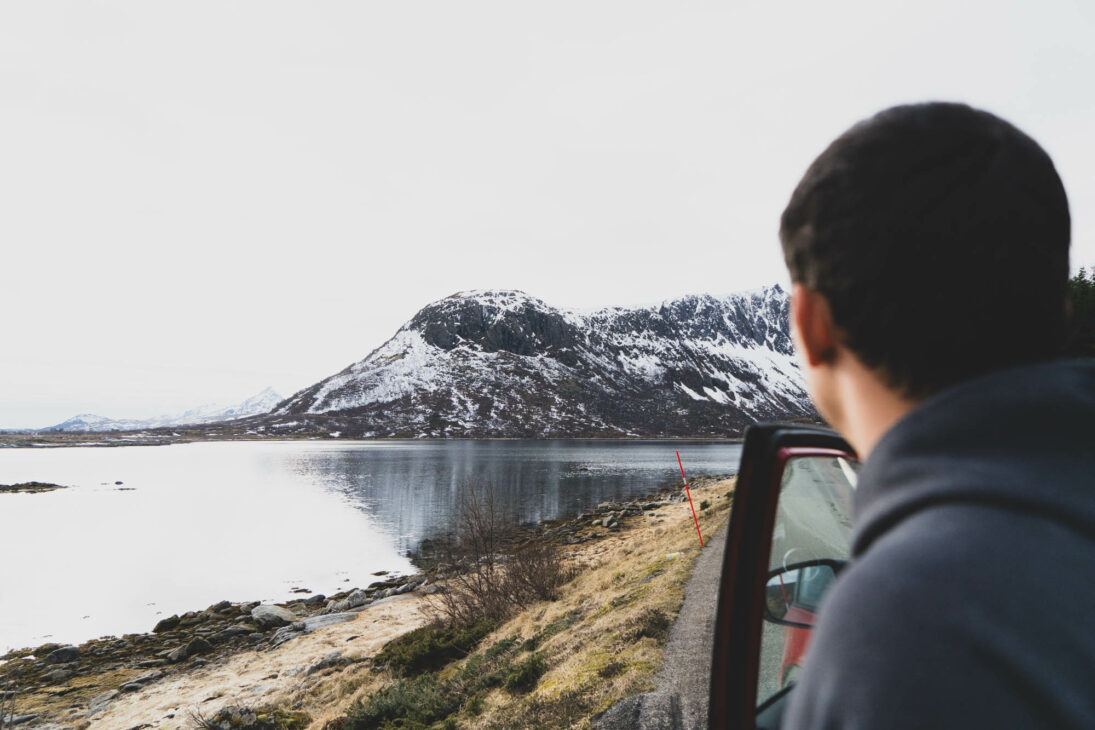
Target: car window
{"x":813,"y":522}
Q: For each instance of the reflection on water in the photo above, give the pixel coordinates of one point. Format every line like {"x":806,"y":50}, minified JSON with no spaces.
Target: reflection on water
{"x":414,"y":487}
{"x":197,"y":523}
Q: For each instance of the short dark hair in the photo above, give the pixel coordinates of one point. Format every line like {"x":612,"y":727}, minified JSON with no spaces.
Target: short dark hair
{"x":939,"y":236}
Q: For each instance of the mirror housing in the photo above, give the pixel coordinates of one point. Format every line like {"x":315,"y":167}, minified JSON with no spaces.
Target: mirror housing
{"x":792,"y":593}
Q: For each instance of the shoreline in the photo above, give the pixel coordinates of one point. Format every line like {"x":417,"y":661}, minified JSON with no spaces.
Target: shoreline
{"x":74,"y":685}
{"x":25,"y":440}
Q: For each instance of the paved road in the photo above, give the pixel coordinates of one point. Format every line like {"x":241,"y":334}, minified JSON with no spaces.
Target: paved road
{"x":686,"y":669}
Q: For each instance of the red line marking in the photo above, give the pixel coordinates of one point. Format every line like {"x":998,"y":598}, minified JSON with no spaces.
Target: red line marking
{"x":686,"y":491}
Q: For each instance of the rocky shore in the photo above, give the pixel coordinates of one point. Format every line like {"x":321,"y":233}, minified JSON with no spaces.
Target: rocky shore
{"x":70,"y":685}
{"x":55,"y":686}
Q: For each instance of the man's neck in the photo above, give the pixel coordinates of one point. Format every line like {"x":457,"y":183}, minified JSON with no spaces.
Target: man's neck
{"x":869,"y":408}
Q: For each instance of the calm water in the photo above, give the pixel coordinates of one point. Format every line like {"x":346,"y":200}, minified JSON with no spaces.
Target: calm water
{"x":196,"y":523}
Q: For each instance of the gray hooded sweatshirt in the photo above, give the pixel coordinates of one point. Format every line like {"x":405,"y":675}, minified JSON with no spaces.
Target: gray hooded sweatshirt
{"x":970,"y":599}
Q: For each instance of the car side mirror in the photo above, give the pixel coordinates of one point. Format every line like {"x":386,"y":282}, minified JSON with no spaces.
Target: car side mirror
{"x":793,"y":592}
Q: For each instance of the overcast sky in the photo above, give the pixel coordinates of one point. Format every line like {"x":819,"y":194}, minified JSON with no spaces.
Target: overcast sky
{"x":198,"y":200}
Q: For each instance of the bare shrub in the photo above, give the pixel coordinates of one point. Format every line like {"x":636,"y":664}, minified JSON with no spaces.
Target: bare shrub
{"x":491,"y":576}
{"x":7,"y":705}
{"x":536,"y":570}
{"x":475,"y":589}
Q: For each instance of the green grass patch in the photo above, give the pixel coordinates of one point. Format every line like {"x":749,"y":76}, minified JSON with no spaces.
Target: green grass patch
{"x":433,"y":699}
{"x":409,"y":703}
{"x":499,"y":648}
{"x":559,"y":624}
{"x":430,"y":647}
{"x":524,"y":675}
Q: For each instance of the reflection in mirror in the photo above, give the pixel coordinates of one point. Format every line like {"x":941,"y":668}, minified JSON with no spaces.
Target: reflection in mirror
{"x":792,"y":594}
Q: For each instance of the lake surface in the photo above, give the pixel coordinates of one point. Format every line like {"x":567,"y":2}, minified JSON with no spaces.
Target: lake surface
{"x":192,"y":524}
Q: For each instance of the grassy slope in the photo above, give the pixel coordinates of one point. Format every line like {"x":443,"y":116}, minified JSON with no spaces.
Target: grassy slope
{"x":602,"y":641}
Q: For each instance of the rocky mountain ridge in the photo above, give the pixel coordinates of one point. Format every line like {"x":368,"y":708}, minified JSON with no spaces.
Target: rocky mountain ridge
{"x":488,"y":364}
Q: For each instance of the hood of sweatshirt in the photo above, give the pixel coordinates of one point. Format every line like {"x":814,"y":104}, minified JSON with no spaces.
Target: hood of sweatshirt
{"x":1021,"y":439}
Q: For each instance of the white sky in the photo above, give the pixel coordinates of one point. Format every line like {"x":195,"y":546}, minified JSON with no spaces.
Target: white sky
{"x":201,"y":199}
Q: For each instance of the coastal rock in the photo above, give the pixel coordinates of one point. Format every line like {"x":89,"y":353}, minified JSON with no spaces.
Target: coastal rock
{"x":432,"y":589}
{"x":148,"y":677}
{"x":269,"y":617}
{"x":192,"y":618}
{"x":331,"y":660}
{"x":317,"y":622}
{"x":230,"y":632}
{"x":57,"y":675}
{"x":219,"y":607}
{"x":198,"y":645}
{"x":13,"y":720}
{"x":308,"y":625}
{"x":165,"y":624}
{"x":284,"y":634}
{"x":99,"y":702}
{"x":63,"y":655}
{"x":177,"y":655}
{"x":45,"y":649}
{"x":357,"y":598}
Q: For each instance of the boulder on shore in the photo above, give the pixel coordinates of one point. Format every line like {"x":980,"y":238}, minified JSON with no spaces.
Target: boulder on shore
{"x":165,"y":624}
{"x":63,"y":655}
{"x":100,"y":701}
{"x":271,"y":617}
{"x":198,"y":645}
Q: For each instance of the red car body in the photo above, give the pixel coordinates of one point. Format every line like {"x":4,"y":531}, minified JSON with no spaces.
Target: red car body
{"x":796,"y":640}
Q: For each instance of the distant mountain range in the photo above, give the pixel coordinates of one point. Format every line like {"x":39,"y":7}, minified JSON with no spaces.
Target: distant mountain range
{"x":505,"y":364}
{"x":88,"y":422}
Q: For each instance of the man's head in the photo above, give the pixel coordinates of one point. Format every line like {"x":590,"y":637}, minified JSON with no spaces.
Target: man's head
{"x":928,"y":245}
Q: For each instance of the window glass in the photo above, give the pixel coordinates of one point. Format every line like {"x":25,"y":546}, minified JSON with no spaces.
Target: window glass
{"x":813,"y":522}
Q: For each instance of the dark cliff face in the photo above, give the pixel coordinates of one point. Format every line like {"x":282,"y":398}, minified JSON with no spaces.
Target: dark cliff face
{"x":525,"y":330}
{"x":503,"y":364}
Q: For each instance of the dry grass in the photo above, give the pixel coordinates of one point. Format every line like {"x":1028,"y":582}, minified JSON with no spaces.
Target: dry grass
{"x":604,"y":638}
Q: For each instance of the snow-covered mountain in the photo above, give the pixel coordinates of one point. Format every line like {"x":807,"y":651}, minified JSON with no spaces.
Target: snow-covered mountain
{"x":505,"y":364}
{"x":257,"y":404}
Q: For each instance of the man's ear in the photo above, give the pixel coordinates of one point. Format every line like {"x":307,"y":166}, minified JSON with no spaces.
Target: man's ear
{"x":812,"y":321}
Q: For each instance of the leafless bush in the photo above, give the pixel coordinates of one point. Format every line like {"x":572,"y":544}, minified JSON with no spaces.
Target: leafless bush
{"x":7,"y":705}
{"x":474,"y":591}
{"x":536,"y":570}
{"x":492,"y":577}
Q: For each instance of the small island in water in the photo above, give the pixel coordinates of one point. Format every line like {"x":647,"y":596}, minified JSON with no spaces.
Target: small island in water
{"x":29,"y":487}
